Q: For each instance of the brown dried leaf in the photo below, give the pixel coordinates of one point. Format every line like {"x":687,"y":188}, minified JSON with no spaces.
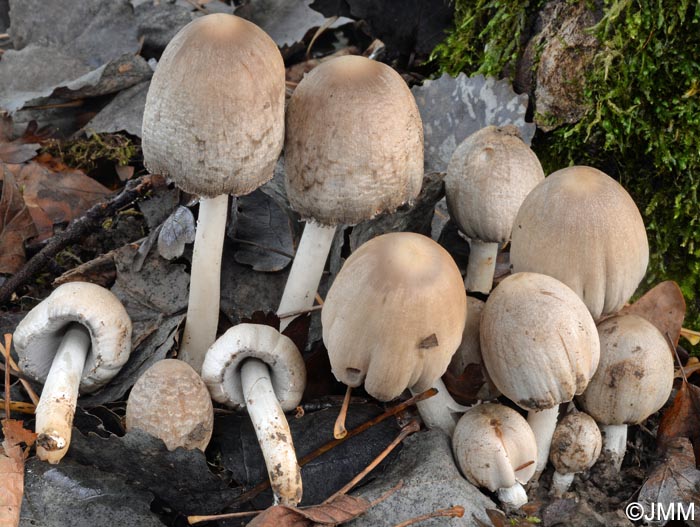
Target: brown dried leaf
{"x":663,"y":306}
{"x":21,"y":149}
{"x":12,"y":470}
{"x":16,"y":225}
{"x":339,"y":510}
{"x":681,"y":418}
{"x":675,"y":480}
{"x":465,"y":387}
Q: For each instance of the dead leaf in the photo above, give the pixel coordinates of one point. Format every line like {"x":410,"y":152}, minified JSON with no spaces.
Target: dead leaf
{"x":16,"y":225}
{"x":339,"y":510}
{"x":681,"y":418}
{"x":12,"y":470}
{"x":465,"y":387}
{"x":663,"y":306}
{"x":23,"y":148}
{"x":177,"y":231}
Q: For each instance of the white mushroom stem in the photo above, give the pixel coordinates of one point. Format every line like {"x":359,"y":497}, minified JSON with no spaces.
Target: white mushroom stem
{"x":513,"y":497}
{"x":561,"y":483}
{"x":481,"y":266}
{"x":615,"y":442}
{"x":56,"y":408}
{"x":205,"y":281}
{"x":543,"y":423}
{"x":273,"y":433}
{"x":441,"y":410}
{"x":306,"y":272}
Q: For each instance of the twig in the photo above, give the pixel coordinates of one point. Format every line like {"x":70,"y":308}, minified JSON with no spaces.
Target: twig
{"x":78,"y":228}
{"x":16,"y":406}
{"x":453,"y":512}
{"x":198,"y":7}
{"x":22,"y":379}
{"x":300,"y":312}
{"x":6,"y":352}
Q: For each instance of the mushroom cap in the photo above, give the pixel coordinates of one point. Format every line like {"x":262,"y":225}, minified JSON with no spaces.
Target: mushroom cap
{"x":214,"y":115}
{"x":394,"y":315}
{"x":488,"y":177}
{"x":635,"y":375}
{"x":221,"y":370}
{"x":538,"y":341}
{"x":354,"y":145}
{"x":576,"y":443}
{"x":170,"y":401}
{"x":581,"y":227}
{"x":490,"y":442}
{"x":39,"y":334}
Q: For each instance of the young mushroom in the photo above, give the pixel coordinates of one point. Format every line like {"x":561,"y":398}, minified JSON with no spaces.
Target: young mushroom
{"x":487,"y":179}
{"x":576,"y":445}
{"x":170,"y":401}
{"x":214,"y":123}
{"x":495,"y":448}
{"x":354,"y":149}
{"x":634,"y":379}
{"x":256,"y":367}
{"x":540,"y":346}
{"x":393,"y":318}
{"x":75,"y":340}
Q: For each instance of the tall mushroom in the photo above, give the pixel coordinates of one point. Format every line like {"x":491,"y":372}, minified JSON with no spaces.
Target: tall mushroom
{"x":581,"y":227}
{"x":256,"y":367}
{"x":354,"y":149}
{"x":74,"y":341}
{"x":488,"y":177}
{"x":576,"y":445}
{"x":214,"y":123}
{"x":393,"y":318}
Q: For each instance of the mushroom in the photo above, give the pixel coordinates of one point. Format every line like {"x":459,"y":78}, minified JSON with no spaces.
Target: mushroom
{"x":256,"y":367}
{"x":634,"y":379}
{"x":75,"y":340}
{"x":576,"y":445}
{"x":393,"y":318}
{"x":488,"y":177}
{"x":170,"y":401}
{"x":540,"y":346}
{"x":354,"y":149}
{"x":495,"y":448}
{"x":581,"y":227}
{"x":214,"y":123}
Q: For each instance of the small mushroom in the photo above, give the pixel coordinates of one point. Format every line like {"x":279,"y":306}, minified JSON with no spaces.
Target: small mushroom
{"x":170,"y":401}
{"x":256,"y":367}
{"x":496,"y":449}
{"x":488,"y":177}
{"x":75,"y":340}
{"x":576,"y":445}
{"x":393,"y":318}
{"x":634,"y":379}
{"x":353,"y":149}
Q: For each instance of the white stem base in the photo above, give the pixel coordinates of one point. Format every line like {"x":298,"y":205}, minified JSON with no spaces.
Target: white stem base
{"x":273,"y":433}
{"x":481,"y":266}
{"x":205,"y":282}
{"x":56,"y":408}
{"x":615,"y":442}
{"x":441,"y":410}
{"x":561,"y":483}
{"x":543,"y":423}
{"x":306,"y":271}
{"x":513,"y":497}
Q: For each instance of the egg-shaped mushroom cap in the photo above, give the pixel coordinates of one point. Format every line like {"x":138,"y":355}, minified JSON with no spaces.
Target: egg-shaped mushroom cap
{"x":221,"y":370}
{"x":576,"y":443}
{"x":488,"y":177}
{"x":538,"y":341}
{"x":635,"y":375}
{"x":354,"y":145}
{"x":581,"y":227}
{"x":394,"y":315}
{"x":170,"y":401}
{"x":39,"y":334}
{"x":214,"y":115}
{"x":490,"y":442}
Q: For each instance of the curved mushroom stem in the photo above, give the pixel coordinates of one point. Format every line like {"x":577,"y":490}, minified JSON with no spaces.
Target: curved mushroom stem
{"x":205,"y":281}
{"x":481,"y":266}
{"x":306,"y":272}
{"x":56,"y":408}
{"x":513,"y":497}
{"x":561,"y":483}
{"x":615,"y":442}
{"x":273,"y":433}
{"x":543,"y":423}
{"x":441,"y":410}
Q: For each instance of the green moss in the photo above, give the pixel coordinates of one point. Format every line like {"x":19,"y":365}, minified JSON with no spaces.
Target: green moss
{"x":85,"y":153}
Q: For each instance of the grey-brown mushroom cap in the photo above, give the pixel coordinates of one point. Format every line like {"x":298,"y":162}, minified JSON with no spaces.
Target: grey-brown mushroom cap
{"x":538,"y":341}
{"x":214,"y":115}
{"x":394,"y":315}
{"x":488,"y":177}
{"x":635,"y":375}
{"x":170,"y":401}
{"x":576,"y":443}
{"x":354,"y":142}
{"x":39,"y":334}
{"x":581,"y":227}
